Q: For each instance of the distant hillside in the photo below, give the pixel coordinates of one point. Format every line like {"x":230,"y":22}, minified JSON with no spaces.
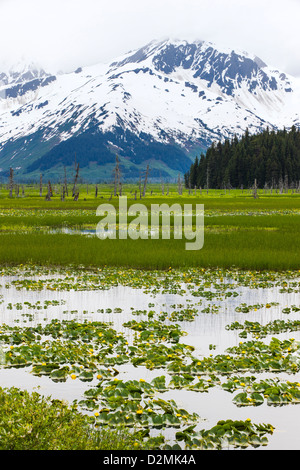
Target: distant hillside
{"x":270,"y":157}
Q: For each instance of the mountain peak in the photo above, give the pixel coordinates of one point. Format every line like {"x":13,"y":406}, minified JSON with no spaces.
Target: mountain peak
{"x":221,"y":66}
{"x":162,"y":103}
{"x":205,"y":58}
{"x":21,"y":72}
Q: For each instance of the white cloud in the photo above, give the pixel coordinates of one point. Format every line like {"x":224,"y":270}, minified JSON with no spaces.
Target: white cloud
{"x":68,"y":33}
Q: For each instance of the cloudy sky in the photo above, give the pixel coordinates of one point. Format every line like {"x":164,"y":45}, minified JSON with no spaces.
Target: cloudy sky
{"x":65,"y":34}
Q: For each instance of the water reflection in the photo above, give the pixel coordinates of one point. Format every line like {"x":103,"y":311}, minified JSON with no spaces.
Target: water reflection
{"x":117,"y":304}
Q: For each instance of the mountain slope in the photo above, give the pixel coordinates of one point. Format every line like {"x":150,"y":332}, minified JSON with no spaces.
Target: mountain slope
{"x":161,"y":104}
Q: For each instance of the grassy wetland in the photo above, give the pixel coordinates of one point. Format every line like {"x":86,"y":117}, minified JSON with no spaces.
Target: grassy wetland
{"x":140,"y":344}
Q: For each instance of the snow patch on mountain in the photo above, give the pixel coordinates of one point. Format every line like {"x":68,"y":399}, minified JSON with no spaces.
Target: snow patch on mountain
{"x":179,"y":92}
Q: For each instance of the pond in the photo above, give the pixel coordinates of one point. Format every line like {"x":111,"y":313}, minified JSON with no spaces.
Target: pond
{"x":206,"y":313}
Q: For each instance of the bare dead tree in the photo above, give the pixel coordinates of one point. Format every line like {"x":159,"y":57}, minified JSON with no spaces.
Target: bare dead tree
{"x":117,"y":174}
{"x":65,"y":182}
{"x":286,"y":184}
{"x":63,"y":192}
{"x":281,"y":185}
{"x":207,"y":179}
{"x":255,"y":195}
{"x":74,"y":191}
{"x":179,"y":185}
{"x":146,"y":181}
{"x":49,"y":192}
{"x":140,"y":186}
{"x":11,"y":181}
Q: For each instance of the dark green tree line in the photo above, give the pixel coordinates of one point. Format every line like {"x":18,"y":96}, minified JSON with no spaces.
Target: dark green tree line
{"x":271,"y":158}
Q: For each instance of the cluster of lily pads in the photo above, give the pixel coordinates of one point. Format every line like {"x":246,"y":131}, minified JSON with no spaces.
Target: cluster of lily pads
{"x":94,"y":351}
{"x":207,"y":283}
{"x":245,"y":308}
{"x":91,"y":351}
{"x":38,"y":305}
{"x":255,"y":392}
{"x":260,"y":331}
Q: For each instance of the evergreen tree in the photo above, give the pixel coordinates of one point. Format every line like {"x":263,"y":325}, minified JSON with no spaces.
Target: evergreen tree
{"x":269,"y":157}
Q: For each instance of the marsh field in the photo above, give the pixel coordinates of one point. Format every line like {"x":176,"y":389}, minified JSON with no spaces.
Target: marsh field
{"x":141,"y":344}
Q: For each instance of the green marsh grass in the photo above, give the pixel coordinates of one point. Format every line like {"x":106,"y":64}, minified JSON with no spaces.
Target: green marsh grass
{"x":246,"y":249}
{"x":240,"y":231}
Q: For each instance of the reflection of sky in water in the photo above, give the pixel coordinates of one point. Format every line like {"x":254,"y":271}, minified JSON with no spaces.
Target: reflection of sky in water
{"x":206,"y":329}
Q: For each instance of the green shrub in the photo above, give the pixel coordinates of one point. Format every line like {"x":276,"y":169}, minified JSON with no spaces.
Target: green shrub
{"x":33,"y":422}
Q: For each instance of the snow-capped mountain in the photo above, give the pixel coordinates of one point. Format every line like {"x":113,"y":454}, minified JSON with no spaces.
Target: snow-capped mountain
{"x":162,"y":104}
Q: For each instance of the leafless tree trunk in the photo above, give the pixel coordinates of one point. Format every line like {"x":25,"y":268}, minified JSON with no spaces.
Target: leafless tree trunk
{"x":179,"y":185}
{"x":49,"y":193}
{"x":140,"y":187}
{"x":11,"y":181}
{"x":207,"y":179}
{"x":117,"y":174}
{"x":146,"y":180}
{"x":255,"y":195}
{"x":74,"y":192}
{"x":66,"y":182}
{"x":280,"y":186}
{"x":286,"y":184}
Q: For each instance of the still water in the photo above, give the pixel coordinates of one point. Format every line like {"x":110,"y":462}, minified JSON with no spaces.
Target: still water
{"x":205,"y":330}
